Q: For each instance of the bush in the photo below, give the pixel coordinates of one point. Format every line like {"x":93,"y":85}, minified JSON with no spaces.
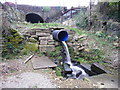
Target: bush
{"x":81,"y":20}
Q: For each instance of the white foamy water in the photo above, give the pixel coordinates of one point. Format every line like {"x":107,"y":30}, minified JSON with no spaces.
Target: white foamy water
{"x":67,"y":53}
{"x":77,"y":72}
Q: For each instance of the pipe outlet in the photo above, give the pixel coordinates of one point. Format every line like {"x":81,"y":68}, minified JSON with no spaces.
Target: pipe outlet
{"x":60,"y":35}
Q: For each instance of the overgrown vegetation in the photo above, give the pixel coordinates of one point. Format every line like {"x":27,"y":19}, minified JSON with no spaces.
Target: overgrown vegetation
{"x":114,"y":10}
{"x":13,"y":44}
{"x":90,"y":56}
{"x":106,"y":36}
{"x":81,"y":20}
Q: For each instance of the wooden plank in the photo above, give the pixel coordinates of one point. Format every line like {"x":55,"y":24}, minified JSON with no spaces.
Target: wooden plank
{"x":28,"y":59}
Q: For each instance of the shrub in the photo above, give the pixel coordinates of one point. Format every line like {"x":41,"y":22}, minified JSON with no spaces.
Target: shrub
{"x":81,"y":20}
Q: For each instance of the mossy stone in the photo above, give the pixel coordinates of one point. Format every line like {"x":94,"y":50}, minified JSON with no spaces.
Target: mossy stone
{"x":32,"y":40}
{"x":31,"y":47}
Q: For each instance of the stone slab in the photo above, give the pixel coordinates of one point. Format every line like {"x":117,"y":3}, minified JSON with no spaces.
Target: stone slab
{"x":98,"y":68}
{"x":51,"y":42}
{"x":43,"y":42}
{"x":105,"y":81}
{"x":46,"y":38}
{"x":42,"y":34}
{"x":42,"y":62}
{"x":43,"y":30}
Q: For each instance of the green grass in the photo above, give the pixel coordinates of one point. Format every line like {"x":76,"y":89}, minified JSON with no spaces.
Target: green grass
{"x":80,"y":32}
{"x":42,"y":25}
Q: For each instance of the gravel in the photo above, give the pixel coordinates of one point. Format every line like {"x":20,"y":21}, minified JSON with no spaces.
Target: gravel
{"x":27,"y":80}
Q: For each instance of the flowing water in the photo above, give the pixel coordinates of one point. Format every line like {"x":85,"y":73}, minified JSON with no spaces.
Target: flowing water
{"x":77,"y":72}
{"x":67,"y":53}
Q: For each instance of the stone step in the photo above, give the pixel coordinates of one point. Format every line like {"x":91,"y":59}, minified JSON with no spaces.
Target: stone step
{"x":1,"y":45}
{"x":45,"y":48}
{"x":47,"y":42}
{"x":43,"y":30}
{"x":51,"y":42}
{"x":32,"y":32}
{"x":1,"y":42}
{"x":46,"y":38}
{"x":42,"y":34}
{"x":43,"y":42}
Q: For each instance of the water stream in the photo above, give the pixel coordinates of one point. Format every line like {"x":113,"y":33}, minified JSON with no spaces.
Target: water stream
{"x":77,"y":72}
{"x":67,"y":53}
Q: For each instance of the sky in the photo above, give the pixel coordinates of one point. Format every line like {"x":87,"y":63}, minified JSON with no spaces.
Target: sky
{"x":68,"y":3}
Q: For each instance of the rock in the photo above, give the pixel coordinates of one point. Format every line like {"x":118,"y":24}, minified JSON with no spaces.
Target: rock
{"x":42,"y":34}
{"x":43,"y":42}
{"x":76,"y":87}
{"x":116,"y":44}
{"x":51,"y":42}
{"x":82,"y":48}
{"x":82,"y":36}
{"x":32,"y":40}
{"x":97,"y":69}
{"x":116,"y":63}
{"x":32,"y":33}
{"x":62,"y":79}
{"x":46,"y":38}
{"x":67,"y":70}
{"x":57,"y":43}
{"x":34,"y":36}
{"x":86,"y":79}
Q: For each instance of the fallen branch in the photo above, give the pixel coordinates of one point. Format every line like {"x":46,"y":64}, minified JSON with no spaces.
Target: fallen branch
{"x":28,"y":59}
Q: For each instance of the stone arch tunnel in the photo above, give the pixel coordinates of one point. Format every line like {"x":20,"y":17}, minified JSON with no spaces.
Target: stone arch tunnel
{"x":34,"y":18}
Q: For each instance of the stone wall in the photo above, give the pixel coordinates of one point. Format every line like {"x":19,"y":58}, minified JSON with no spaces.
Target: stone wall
{"x":48,"y":16}
{"x":45,"y":39}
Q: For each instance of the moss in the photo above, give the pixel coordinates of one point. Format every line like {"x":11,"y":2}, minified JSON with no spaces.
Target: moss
{"x":58,"y":71}
{"x":59,"y":57}
{"x":32,"y":40}
{"x":24,"y":51}
{"x":13,"y":31}
{"x":13,"y":44}
{"x":31,"y":47}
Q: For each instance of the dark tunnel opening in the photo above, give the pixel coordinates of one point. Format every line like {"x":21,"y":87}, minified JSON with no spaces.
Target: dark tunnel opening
{"x":34,"y":18}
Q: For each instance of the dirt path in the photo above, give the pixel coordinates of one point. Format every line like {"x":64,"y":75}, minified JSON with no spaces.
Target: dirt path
{"x":16,"y":74}
{"x":27,"y":80}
